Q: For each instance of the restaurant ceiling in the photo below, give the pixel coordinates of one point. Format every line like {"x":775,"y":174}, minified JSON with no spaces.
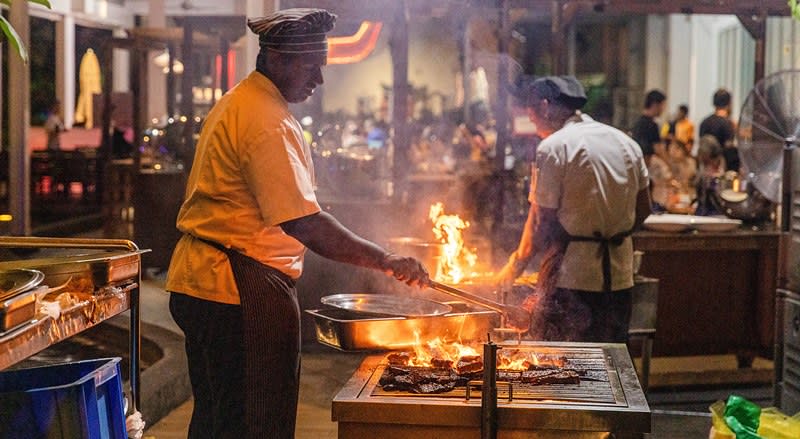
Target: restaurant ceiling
{"x":385,"y":9}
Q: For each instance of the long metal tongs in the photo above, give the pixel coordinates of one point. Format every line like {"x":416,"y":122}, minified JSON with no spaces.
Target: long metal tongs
{"x":472,"y":298}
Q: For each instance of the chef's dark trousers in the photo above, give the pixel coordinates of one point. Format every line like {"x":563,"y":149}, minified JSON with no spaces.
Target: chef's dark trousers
{"x":244,"y":361}
{"x":581,"y":316}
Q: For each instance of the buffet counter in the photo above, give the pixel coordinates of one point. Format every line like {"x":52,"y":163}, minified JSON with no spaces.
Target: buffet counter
{"x":716,"y":291}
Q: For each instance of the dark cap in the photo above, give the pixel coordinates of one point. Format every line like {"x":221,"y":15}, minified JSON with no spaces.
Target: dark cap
{"x":565,"y":90}
{"x":298,"y":30}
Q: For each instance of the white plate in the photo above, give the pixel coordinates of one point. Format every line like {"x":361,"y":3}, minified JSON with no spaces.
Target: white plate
{"x":666,"y":227}
{"x":668,"y":223}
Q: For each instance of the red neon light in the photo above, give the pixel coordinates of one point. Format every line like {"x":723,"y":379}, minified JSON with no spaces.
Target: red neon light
{"x":354,"y":48}
{"x":231,"y":67}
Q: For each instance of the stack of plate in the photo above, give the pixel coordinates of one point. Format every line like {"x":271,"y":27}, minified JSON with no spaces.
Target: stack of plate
{"x":681,"y":223}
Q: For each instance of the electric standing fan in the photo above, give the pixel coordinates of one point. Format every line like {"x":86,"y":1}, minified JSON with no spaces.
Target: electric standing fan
{"x":769,"y":127}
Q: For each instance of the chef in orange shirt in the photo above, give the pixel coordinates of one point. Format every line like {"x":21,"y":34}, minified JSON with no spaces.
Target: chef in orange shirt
{"x":249,"y":215}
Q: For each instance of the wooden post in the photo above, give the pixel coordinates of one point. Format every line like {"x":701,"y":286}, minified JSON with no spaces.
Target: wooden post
{"x":104,"y":152}
{"x":187,"y":97}
{"x":501,"y":118}
{"x":398,"y":44}
{"x":557,"y":39}
{"x":170,"y":81}
{"x":19,"y":159}
{"x":756,"y":26}
{"x":224,"y":48}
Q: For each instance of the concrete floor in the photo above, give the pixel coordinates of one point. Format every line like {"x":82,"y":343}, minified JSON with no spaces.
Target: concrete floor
{"x":677,"y":412}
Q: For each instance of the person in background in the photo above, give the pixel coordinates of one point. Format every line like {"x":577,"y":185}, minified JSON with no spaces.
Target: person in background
{"x":684,"y":171}
{"x":54,"y":126}
{"x":645,"y":131}
{"x":249,"y":214}
{"x":711,"y":166}
{"x":589,"y":191}
{"x":662,"y":179}
{"x":720,"y":126}
{"x":681,"y":129}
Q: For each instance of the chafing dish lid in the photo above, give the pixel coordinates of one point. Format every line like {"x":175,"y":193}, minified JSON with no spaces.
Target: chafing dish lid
{"x":387,"y":304}
{"x":13,"y":282}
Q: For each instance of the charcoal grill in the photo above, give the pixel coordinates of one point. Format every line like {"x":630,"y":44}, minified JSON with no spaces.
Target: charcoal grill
{"x":608,"y":402}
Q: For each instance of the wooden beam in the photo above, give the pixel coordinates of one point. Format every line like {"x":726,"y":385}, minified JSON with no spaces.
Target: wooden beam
{"x":398,"y":46}
{"x":19,"y":104}
{"x":187,"y":97}
{"x":381,"y":9}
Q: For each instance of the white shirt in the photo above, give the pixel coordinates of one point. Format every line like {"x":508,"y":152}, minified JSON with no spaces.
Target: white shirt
{"x":591,"y":174}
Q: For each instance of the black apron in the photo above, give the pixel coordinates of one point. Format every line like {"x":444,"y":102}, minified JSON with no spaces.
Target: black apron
{"x":558,"y":314}
{"x":271,"y":323}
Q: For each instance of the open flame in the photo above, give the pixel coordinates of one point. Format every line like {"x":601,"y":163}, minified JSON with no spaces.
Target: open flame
{"x":438,"y":353}
{"x":455,"y":257}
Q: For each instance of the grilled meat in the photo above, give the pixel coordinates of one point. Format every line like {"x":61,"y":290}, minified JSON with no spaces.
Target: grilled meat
{"x":400,"y":358}
{"x":469,"y":365}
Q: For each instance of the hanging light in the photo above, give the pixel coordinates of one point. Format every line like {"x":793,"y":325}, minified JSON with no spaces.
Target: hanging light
{"x":162,"y":61}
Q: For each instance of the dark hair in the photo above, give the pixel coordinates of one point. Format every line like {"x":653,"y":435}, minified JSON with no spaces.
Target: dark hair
{"x":684,"y":108}
{"x":722,"y":98}
{"x":654,"y":97}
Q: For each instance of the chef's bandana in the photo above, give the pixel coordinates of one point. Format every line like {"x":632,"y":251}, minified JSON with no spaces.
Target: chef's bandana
{"x":298,"y":30}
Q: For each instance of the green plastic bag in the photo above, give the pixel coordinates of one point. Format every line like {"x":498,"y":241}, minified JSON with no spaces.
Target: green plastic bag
{"x":742,"y":416}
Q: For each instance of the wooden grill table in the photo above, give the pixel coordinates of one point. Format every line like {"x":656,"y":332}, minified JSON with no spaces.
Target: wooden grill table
{"x":716,"y":292}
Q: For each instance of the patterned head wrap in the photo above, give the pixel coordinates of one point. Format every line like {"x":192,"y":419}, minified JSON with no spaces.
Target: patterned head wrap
{"x":299,"y":30}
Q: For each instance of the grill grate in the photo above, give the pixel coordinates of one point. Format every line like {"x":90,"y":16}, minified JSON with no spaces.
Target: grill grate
{"x":597,"y":387}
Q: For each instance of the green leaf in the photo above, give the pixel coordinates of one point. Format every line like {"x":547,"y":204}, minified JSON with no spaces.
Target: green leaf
{"x":13,"y":38}
{"x":45,"y":3}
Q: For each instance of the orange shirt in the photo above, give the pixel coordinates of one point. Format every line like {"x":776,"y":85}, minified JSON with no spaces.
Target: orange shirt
{"x":252,"y":171}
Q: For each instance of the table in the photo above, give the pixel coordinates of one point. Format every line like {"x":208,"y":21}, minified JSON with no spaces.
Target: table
{"x":716,"y":293}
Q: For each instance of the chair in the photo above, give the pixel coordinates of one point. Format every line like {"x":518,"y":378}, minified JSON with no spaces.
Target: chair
{"x":642,"y":327}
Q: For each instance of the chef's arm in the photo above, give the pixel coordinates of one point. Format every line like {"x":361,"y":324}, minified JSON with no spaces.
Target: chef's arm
{"x":325,"y":235}
{"x":643,"y":207}
{"x":525,"y":249}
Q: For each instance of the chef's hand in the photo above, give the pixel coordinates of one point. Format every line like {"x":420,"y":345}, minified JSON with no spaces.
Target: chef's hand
{"x":405,"y":269}
{"x":518,"y":318}
{"x":510,"y":272}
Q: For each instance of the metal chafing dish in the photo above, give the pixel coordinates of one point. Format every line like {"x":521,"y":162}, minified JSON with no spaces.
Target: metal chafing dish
{"x":111,"y":278}
{"x":17,"y":298}
{"x":612,"y":405}
{"x":100,"y":268}
{"x":350,"y":331}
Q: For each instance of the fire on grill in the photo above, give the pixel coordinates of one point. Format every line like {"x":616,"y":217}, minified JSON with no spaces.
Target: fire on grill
{"x":439,"y":367}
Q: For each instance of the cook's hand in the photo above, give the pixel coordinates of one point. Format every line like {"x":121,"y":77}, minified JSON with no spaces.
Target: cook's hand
{"x":518,"y":318}
{"x":510,"y":272}
{"x":405,"y":269}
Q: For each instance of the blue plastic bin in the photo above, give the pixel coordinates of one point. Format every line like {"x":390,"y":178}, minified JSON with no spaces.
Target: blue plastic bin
{"x":79,"y":400}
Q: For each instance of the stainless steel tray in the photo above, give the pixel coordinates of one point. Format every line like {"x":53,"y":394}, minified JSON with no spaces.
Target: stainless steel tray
{"x":387,"y":304}
{"x":17,"y":310}
{"x":348,"y":331}
{"x":101,"y":268}
{"x":17,"y":298}
{"x":13,"y":282}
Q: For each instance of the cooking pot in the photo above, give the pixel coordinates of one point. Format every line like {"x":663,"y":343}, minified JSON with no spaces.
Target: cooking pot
{"x":427,"y":252}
